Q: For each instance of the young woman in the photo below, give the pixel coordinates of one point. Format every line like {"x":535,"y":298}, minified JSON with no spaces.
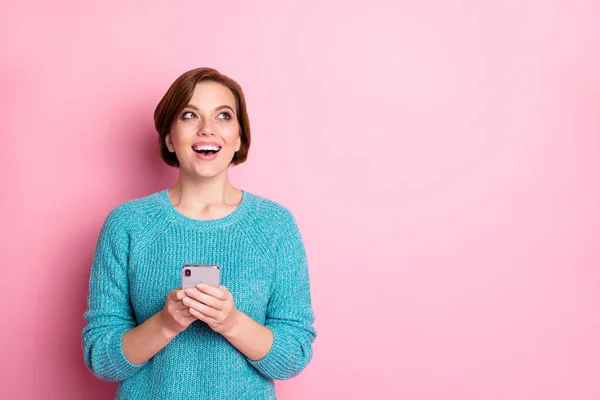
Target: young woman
{"x":209,"y":342}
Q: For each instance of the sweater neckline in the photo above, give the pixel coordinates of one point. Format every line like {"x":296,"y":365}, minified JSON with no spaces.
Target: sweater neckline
{"x":238,"y":213}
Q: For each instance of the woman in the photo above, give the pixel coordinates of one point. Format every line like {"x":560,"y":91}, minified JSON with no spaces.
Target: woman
{"x":210,"y":342}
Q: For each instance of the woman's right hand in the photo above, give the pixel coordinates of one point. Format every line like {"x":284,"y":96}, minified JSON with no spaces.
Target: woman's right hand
{"x":175,"y":316}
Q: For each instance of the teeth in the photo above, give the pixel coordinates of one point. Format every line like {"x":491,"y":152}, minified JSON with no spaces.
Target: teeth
{"x":207,"y":147}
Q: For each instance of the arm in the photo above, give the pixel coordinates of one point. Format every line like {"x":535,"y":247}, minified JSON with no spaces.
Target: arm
{"x":215,"y":306}
{"x":248,"y":336}
{"x":109,"y":314}
{"x":114,"y":347}
{"x":289,"y":313}
{"x":145,"y":340}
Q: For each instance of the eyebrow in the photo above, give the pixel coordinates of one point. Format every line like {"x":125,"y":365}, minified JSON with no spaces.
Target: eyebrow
{"x":216,"y":109}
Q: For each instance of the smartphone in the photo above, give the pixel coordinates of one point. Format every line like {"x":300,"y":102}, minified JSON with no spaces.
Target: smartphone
{"x":193,"y":274}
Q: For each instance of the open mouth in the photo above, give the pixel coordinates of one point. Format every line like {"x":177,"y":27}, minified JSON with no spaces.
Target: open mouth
{"x":206,"y":150}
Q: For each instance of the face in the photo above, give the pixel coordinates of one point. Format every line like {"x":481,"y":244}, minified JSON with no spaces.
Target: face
{"x":206,"y":134}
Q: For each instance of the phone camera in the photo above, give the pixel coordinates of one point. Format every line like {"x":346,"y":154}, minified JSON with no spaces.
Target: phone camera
{"x":188,"y":272}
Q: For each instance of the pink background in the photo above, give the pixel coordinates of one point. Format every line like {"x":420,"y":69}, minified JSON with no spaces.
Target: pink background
{"x":441,"y":157}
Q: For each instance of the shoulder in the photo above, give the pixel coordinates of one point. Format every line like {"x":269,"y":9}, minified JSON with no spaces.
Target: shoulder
{"x":280,"y":231}
{"x":133,"y":214}
{"x":271,"y":212}
{"x":274,"y":219}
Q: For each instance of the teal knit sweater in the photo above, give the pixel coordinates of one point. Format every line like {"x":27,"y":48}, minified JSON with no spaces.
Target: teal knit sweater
{"x":142,"y":247}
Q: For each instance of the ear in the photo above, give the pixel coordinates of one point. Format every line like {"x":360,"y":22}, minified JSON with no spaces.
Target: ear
{"x":169,"y":143}
{"x":238,"y":143}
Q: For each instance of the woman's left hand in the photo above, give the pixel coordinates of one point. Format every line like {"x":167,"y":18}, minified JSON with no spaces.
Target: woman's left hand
{"x":213,"y":305}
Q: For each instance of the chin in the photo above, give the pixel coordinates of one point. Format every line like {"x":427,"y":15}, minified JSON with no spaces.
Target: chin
{"x":207,"y":173}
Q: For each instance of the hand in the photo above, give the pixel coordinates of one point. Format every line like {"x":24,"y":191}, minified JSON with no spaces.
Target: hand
{"x":213,"y":305}
{"x":175,"y":317}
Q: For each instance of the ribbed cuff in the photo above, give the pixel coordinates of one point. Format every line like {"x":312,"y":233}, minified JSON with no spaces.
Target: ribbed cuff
{"x":118,"y":367}
{"x":280,"y":362}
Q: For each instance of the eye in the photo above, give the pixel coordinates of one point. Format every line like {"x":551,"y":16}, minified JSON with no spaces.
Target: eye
{"x":186,"y":114}
{"x":226,"y":115}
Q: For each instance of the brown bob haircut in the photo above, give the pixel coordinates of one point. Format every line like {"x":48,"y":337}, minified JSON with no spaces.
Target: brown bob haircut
{"x":179,"y":95}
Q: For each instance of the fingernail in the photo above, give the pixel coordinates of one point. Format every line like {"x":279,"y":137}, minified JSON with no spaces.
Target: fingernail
{"x":190,"y":291}
{"x":185,"y":300}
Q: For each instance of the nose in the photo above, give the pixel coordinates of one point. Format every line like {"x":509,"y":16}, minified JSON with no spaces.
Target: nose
{"x":205,"y":129}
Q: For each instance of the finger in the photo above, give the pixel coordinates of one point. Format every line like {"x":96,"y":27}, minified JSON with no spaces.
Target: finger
{"x":180,"y":306}
{"x":224,"y":288}
{"x":185,"y":312}
{"x":202,"y":317}
{"x":217,"y":292}
{"x":196,"y":305}
{"x":205,"y":298}
{"x":177,"y":294}
{"x":188,"y":319}
{"x":204,"y":309}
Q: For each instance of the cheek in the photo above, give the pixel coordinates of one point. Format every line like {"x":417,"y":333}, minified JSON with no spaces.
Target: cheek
{"x":179,"y":136}
{"x":231,"y":136}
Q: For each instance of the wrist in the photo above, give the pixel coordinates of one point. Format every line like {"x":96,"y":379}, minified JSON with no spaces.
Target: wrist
{"x":163,"y":328}
{"x":233,"y":331}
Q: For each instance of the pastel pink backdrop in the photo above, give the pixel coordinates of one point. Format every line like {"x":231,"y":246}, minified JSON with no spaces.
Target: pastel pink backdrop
{"x":441,"y":157}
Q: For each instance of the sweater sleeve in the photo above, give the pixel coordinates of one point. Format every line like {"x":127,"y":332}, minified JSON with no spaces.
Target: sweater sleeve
{"x":109,"y":313}
{"x":289,"y":312}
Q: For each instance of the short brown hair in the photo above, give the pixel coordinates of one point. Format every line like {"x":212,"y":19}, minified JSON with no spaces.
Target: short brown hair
{"x":178,"y":96}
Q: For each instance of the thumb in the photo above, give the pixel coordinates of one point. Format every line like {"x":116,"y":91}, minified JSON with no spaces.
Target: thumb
{"x":177,"y":294}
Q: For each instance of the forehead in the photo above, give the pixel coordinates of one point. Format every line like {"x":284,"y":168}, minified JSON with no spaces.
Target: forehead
{"x":212,"y":94}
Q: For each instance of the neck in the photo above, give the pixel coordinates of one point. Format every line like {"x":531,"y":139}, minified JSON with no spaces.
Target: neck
{"x":204,"y":191}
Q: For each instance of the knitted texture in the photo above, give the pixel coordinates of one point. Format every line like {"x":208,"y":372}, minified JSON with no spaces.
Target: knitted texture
{"x":141,"y":250}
